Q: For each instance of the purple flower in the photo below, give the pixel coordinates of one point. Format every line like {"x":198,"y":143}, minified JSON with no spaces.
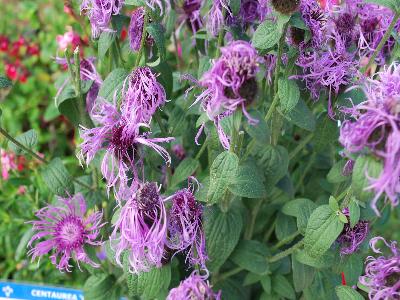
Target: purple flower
{"x":216,"y":18}
{"x":136,"y":28}
{"x":230,"y":83}
{"x":382,"y":273}
{"x":121,"y":137}
{"x":194,"y":287}
{"x":351,"y":238}
{"x":179,"y":151}
{"x":375,"y":125}
{"x":142,"y":95}
{"x":330,"y":69}
{"x":141,"y":229}
{"x":88,"y":72}
{"x":66,"y":230}
{"x":315,"y":19}
{"x":374,"y":22}
{"x":190,"y":12}
{"x":100,"y":12}
{"x":185,"y":227}
{"x":249,"y":11}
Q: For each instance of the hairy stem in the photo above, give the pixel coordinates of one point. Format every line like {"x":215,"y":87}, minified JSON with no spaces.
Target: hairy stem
{"x":382,"y":42}
{"x":285,"y":253}
{"x":143,"y":40}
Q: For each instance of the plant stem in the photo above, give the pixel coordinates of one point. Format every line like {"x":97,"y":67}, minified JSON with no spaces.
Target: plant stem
{"x":228,"y":274}
{"x":286,"y":240}
{"x":160,"y":124}
{"x":285,"y":253}
{"x":202,"y":149}
{"x":221,"y":35}
{"x":143,"y":40}
{"x":268,"y":234}
{"x":277,"y":71}
{"x":382,"y":42}
{"x":35,"y":155}
{"x":249,"y":233}
{"x":300,"y":146}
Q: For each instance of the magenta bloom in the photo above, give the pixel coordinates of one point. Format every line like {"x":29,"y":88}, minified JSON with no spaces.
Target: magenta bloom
{"x":351,"y":239}
{"x":100,"y":12}
{"x":185,"y":227}
{"x":315,"y":19}
{"x":121,"y":136}
{"x":66,"y":230}
{"x":230,"y":83}
{"x":190,"y":13}
{"x":194,"y":287}
{"x":136,"y":28}
{"x":142,"y":95}
{"x":375,"y":125}
{"x":330,"y":69}
{"x":374,"y":22}
{"x":382,"y":273}
{"x":215,"y":18}
{"x":88,"y":72}
{"x":141,"y":229}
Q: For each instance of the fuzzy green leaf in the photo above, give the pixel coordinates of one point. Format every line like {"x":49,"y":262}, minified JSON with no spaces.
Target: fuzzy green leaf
{"x":347,"y":293}
{"x":185,"y":169}
{"x":289,"y":94}
{"x":365,"y":166}
{"x":29,"y":139}
{"x":57,"y":178}
{"x":105,"y":41}
{"x":112,"y":85}
{"x":251,"y":256}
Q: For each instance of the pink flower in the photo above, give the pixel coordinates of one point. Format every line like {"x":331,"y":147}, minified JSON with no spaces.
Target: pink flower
{"x":8,"y":163}
{"x":69,"y":38}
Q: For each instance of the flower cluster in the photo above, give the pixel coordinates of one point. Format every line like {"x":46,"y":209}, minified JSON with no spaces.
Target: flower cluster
{"x":230,"y":83}
{"x":351,"y":238}
{"x":375,"y":125}
{"x":382,"y":273}
{"x":100,"y":12}
{"x":13,"y":55}
{"x":122,"y":131}
{"x":9,"y":161}
{"x":194,"y":287}
{"x":66,"y":230}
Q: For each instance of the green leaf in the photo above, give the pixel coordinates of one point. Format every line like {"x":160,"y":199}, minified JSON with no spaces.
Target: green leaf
{"x":112,"y":85}
{"x":335,"y":174}
{"x":274,"y":161}
{"x":289,"y":94}
{"x":322,"y":230}
{"x":29,"y":139}
{"x":5,"y":82}
{"x":343,"y":218}
{"x":394,"y":5}
{"x":352,"y":266}
{"x":301,"y":209}
{"x":301,"y":116}
{"x":234,"y":5}
{"x":285,"y":226}
{"x":57,"y":178}
{"x":260,"y":131}
{"x":157,"y":32}
{"x":251,"y":278}
{"x":223,"y":172}
{"x":204,"y":65}
{"x":267,"y":35}
{"x":222,"y":232}
{"x":282,"y":287}
{"x":165,"y":78}
{"x":266,"y":283}
{"x":347,"y":293}
{"x":324,"y":261}
{"x":23,"y":242}
{"x":333,"y":204}
{"x":249,"y":182}
{"x":185,"y":169}
{"x":105,"y":41}
{"x":251,"y":256}
{"x":135,"y":2}
{"x":364,"y":168}
{"x":67,"y":105}
{"x":303,"y":275}
{"x":100,"y":287}
{"x":231,"y":290}
{"x":148,"y":285}
{"x":354,"y":211}
{"x":326,"y":129}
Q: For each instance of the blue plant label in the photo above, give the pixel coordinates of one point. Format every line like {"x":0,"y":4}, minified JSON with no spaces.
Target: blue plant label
{"x":21,"y":291}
